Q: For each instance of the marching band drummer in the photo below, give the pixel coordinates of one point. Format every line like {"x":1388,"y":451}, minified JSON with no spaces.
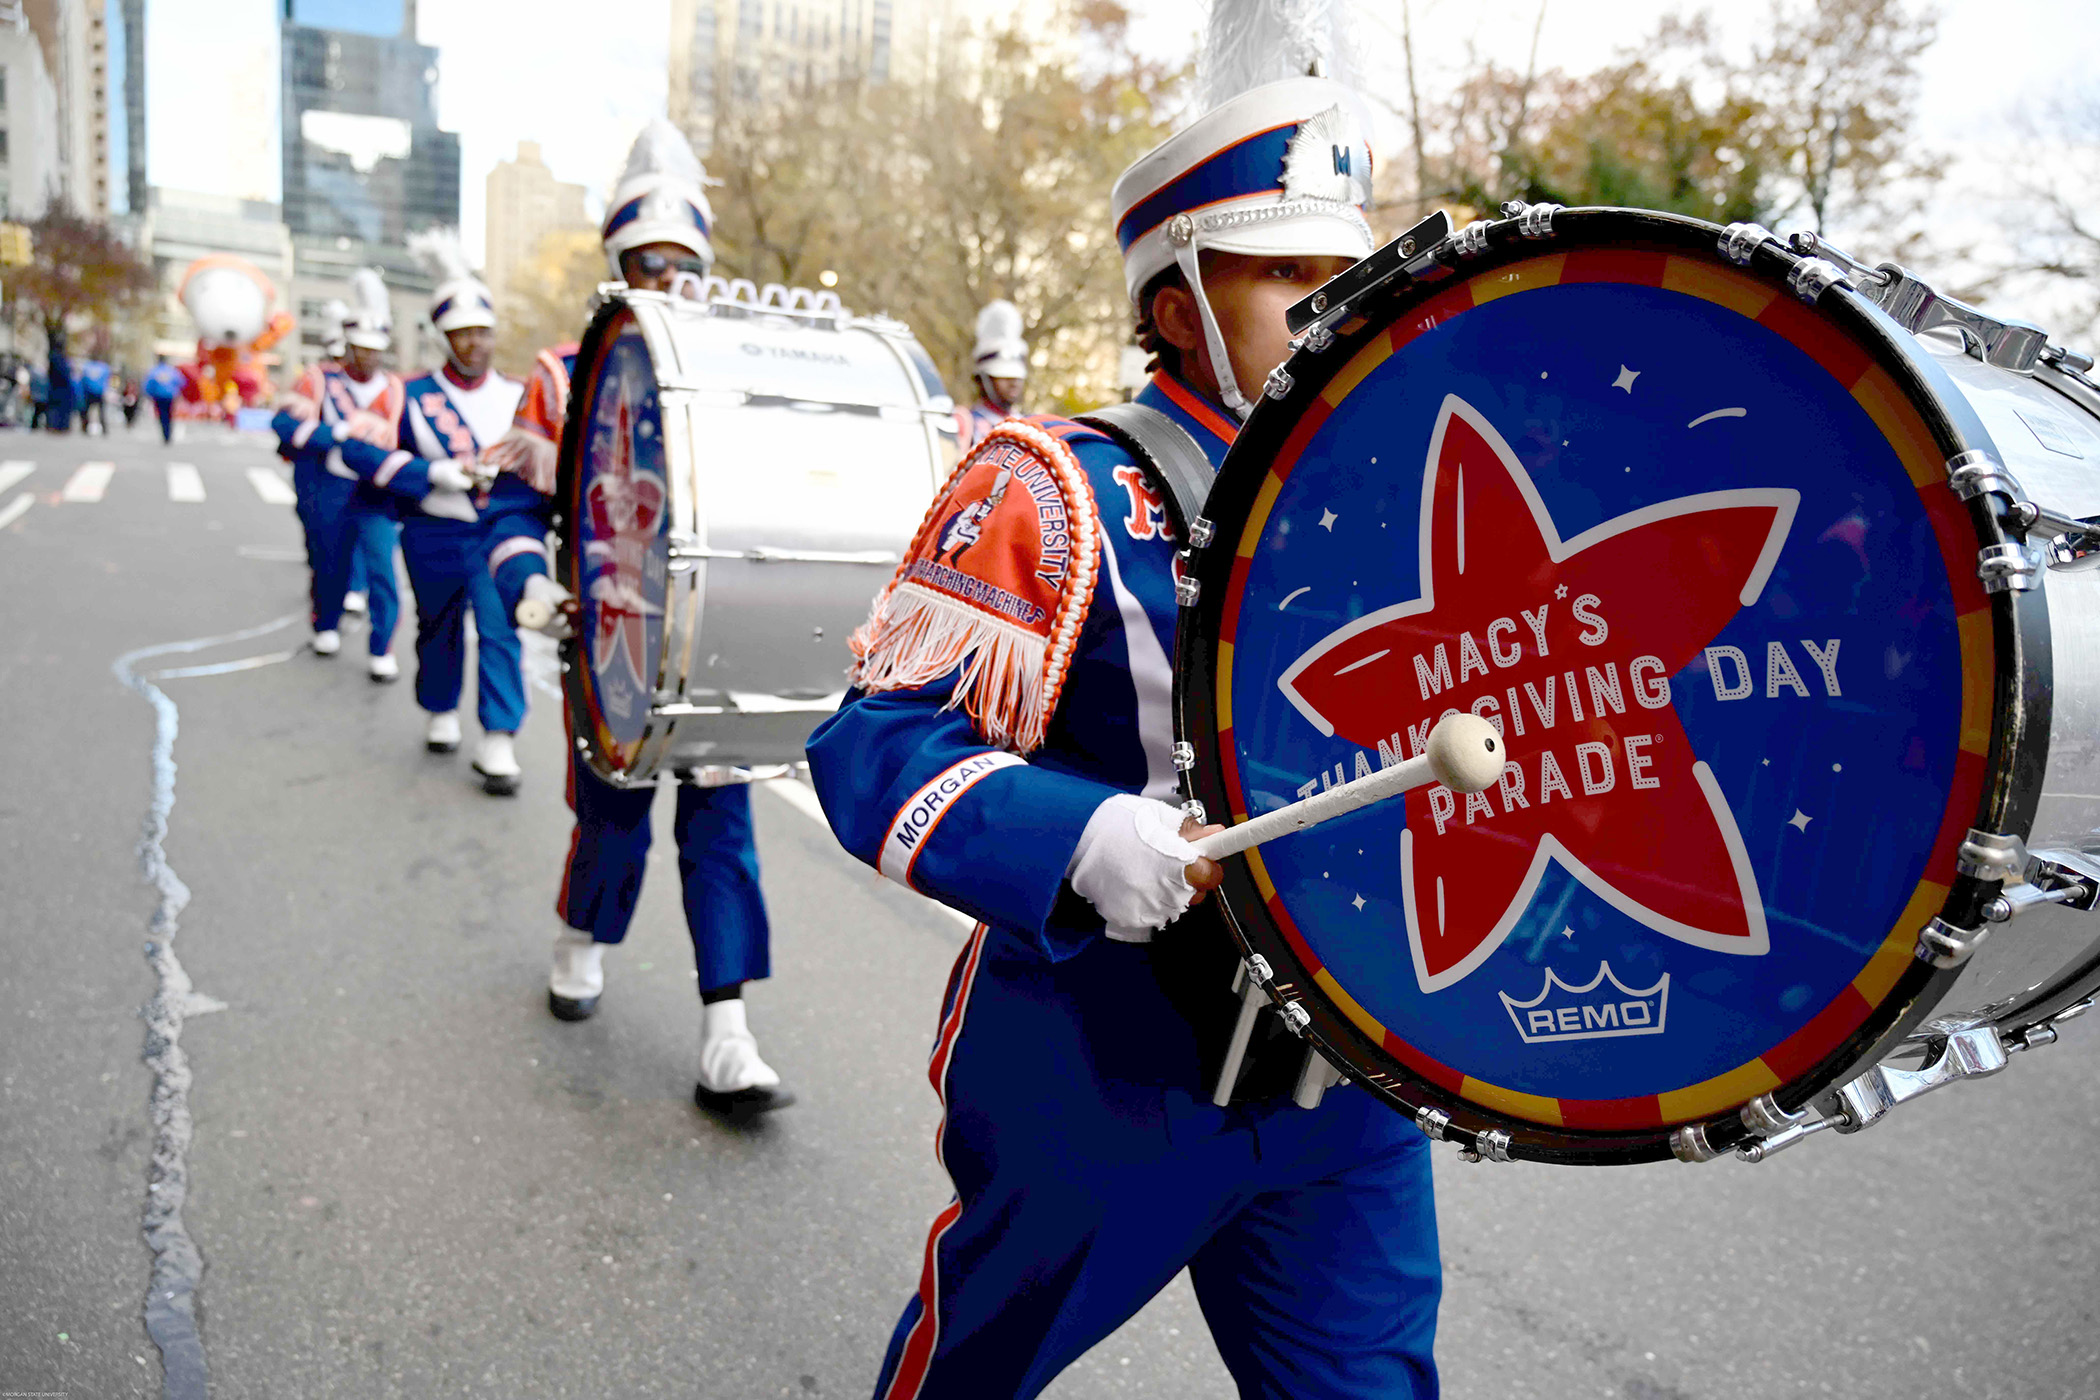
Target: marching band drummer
{"x":999,"y":368}
{"x":350,"y":525}
{"x":1026,"y":784}
{"x":656,"y":239}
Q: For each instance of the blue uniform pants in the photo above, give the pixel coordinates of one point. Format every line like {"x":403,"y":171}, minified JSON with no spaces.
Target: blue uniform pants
{"x":450,"y":575}
{"x":349,"y":544}
{"x":1089,"y":1169}
{"x":717,"y":861}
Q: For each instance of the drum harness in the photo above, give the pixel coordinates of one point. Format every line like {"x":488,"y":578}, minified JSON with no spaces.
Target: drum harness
{"x":1248,"y":1056}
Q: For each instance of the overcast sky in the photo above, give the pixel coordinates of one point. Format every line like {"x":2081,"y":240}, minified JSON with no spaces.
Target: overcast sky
{"x":580,"y":79}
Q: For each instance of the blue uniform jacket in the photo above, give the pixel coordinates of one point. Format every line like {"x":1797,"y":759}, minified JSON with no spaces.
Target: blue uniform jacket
{"x":914,"y":789}
{"x":311,"y":443}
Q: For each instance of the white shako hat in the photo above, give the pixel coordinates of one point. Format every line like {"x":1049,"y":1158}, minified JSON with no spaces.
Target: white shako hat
{"x":1001,"y":353}
{"x":370,"y":319}
{"x":461,"y":300}
{"x":1277,"y":165}
{"x":661,"y":198}
{"x":334,"y":312}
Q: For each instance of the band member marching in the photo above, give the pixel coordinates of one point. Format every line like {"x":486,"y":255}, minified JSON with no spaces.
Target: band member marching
{"x":656,"y":239}
{"x":999,"y":369}
{"x":350,"y":524}
{"x":1007,"y":748}
{"x":451,"y":414}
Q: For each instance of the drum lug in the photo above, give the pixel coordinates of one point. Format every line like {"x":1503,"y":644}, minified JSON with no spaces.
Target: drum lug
{"x":1986,"y":855}
{"x":1472,"y":240}
{"x":1945,"y":946}
{"x":1533,"y":220}
{"x":1184,"y":755}
{"x":1193,"y":808}
{"x":1764,"y":1117}
{"x":1279,"y":383}
{"x":1977,"y":473}
{"x":2008,"y":568}
{"x":1489,"y":1145}
{"x":1187,"y":589}
{"x":1811,"y":277}
{"x":1690,"y":1144}
{"x":1432,"y":1122}
{"x":1315,"y":340}
{"x":1740,"y":241}
{"x":1760,"y":1148}
{"x":1296,"y":1018}
{"x":1201,"y":531}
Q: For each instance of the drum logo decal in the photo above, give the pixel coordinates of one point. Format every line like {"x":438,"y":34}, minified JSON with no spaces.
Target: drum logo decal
{"x":1600,"y":1008}
{"x":1568,"y":647}
{"x":626,"y":507}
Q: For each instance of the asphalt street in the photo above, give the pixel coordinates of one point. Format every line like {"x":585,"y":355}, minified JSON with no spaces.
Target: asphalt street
{"x":404,"y":1178}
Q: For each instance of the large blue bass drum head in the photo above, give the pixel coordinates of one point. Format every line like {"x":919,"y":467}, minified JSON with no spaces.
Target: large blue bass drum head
{"x":1686,"y":539}
{"x":615,"y":502}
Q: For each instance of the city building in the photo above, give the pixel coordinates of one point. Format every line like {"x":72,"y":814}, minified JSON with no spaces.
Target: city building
{"x":525,"y":204}
{"x":181,"y":226}
{"x":364,"y":157}
{"x":54,"y":108}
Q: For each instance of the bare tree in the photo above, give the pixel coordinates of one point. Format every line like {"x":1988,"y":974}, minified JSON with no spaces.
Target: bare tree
{"x":1834,"y":91}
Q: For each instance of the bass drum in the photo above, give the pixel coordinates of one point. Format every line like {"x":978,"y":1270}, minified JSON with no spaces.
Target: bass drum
{"x":739,"y":474}
{"x":1788,"y":667}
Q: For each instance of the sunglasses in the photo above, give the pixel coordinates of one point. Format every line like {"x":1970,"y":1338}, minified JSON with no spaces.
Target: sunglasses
{"x":657,"y":264}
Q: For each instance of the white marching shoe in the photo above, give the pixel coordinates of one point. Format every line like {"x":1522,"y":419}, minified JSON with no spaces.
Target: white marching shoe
{"x":578,"y":977}
{"x":733,"y":1079}
{"x":353,"y":602}
{"x":328,"y":643}
{"x":441,"y":735}
{"x":497,"y":763}
{"x":384,"y":669}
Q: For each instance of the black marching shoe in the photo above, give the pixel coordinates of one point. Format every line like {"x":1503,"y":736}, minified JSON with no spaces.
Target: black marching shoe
{"x":571,"y":1008}
{"x":743,"y":1103}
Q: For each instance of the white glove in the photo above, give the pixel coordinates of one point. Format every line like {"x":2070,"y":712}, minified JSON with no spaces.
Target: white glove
{"x":449,"y":504}
{"x":1131,"y":864}
{"x":540,"y":608}
{"x":450,"y":475}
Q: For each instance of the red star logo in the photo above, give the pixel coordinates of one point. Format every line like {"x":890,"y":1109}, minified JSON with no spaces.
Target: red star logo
{"x":626,"y":504}
{"x":1568,"y":647}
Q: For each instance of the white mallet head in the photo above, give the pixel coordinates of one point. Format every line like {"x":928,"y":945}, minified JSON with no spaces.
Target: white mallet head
{"x":1466,"y":753}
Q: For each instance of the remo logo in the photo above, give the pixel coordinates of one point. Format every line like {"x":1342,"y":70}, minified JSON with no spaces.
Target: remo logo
{"x":1567,"y":646}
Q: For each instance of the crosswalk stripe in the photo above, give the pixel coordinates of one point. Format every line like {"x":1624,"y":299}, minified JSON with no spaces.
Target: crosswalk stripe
{"x":185,"y":483}
{"x":88,"y":482}
{"x":12,"y":511}
{"x":12,"y":472}
{"x":274,"y":489}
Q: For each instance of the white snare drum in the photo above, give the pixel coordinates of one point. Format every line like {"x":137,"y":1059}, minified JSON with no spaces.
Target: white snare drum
{"x":739,"y":475}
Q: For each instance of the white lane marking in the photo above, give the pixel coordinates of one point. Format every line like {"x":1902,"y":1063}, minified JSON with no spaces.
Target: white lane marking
{"x":13,"y":510}
{"x":87,"y":483}
{"x":798,"y":795}
{"x":12,"y":472}
{"x":185,"y":483}
{"x":274,"y":489}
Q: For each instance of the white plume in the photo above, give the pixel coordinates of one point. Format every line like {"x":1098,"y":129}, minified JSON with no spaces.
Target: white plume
{"x":1252,"y":42}
{"x":333,"y":313}
{"x":998,"y":324}
{"x":439,"y":251}
{"x":368,"y":294}
{"x":661,"y":149}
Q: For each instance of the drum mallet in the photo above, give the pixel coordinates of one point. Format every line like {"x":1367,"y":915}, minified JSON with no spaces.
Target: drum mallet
{"x":1464,"y":753}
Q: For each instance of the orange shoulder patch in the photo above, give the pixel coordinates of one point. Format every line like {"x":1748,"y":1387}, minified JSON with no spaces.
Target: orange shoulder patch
{"x":997,"y":581}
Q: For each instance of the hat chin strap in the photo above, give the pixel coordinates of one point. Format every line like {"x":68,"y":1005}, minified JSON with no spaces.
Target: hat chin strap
{"x":1220,"y":361}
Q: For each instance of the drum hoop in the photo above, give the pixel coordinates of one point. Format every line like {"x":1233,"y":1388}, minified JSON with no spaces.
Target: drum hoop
{"x":608,"y":323}
{"x":2004,"y":727}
